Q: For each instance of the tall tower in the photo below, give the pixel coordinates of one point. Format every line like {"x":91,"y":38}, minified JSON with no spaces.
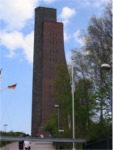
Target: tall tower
{"x":48,"y":52}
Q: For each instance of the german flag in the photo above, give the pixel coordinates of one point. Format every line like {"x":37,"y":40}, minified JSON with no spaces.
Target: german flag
{"x":12,"y":86}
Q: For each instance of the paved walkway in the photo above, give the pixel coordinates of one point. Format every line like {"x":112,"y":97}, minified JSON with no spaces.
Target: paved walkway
{"x":34,"y":146}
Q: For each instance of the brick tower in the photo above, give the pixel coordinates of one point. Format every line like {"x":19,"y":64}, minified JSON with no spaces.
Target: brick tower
{"x":48,"y":52}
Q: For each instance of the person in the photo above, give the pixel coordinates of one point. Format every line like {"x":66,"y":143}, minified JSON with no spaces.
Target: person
{"x":50,"y":136}
{"x":41,"y":135}
{"x":21,"y":143}
{"x":27,"y":144}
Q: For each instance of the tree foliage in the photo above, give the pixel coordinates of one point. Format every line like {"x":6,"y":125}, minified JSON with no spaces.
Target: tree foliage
{"x":98,"y":46}
{"x":63,"y":95}
{"x":88,"y":60}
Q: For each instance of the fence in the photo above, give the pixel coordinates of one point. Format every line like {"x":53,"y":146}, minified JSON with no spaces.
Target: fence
{"x":104,"y":144}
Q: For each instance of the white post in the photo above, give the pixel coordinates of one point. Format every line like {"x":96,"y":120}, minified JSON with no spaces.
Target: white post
{"x":73,"y":108}
{"x":5,"y":125}
{"x":57,"y":106}
{"x":58,"y":121}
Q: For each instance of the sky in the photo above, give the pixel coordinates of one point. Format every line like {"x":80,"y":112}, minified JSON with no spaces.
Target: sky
{"x":16,"y":51}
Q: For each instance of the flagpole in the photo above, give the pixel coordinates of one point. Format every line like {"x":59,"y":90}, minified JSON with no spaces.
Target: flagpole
{"x":73,"y":108}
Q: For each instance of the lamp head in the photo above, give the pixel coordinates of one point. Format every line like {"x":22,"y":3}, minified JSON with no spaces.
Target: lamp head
{"x":105,"y":66}
{"x":56,"y":105}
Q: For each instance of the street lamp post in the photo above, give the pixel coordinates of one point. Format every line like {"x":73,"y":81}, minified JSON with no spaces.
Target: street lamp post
{"x":73,"y":107}
{"x":5,"y":125}
{"x":57,"y":106}
{"x":107,"y":67}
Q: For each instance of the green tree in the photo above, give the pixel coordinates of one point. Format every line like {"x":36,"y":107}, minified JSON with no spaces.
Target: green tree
{"x":87,"y":61}
{"x":98,"y":45}
{"x":63,"y":95}
{"x":84,"y":106}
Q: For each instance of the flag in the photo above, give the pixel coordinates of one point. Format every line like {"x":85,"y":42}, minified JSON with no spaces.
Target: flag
{"x":12,"y":86}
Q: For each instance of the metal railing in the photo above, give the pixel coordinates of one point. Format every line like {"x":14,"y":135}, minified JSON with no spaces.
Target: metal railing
{"x":68,"y":140}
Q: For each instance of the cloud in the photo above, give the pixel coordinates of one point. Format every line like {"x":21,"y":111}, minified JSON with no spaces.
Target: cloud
{"x":48,"y":1}
{"x":66,"y":36}
{"x":17,"y":41}
{"x":78,"y":38}
{"x":66,"y":14}
{"x":15,"y":13}
{"x":28,"y":46}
